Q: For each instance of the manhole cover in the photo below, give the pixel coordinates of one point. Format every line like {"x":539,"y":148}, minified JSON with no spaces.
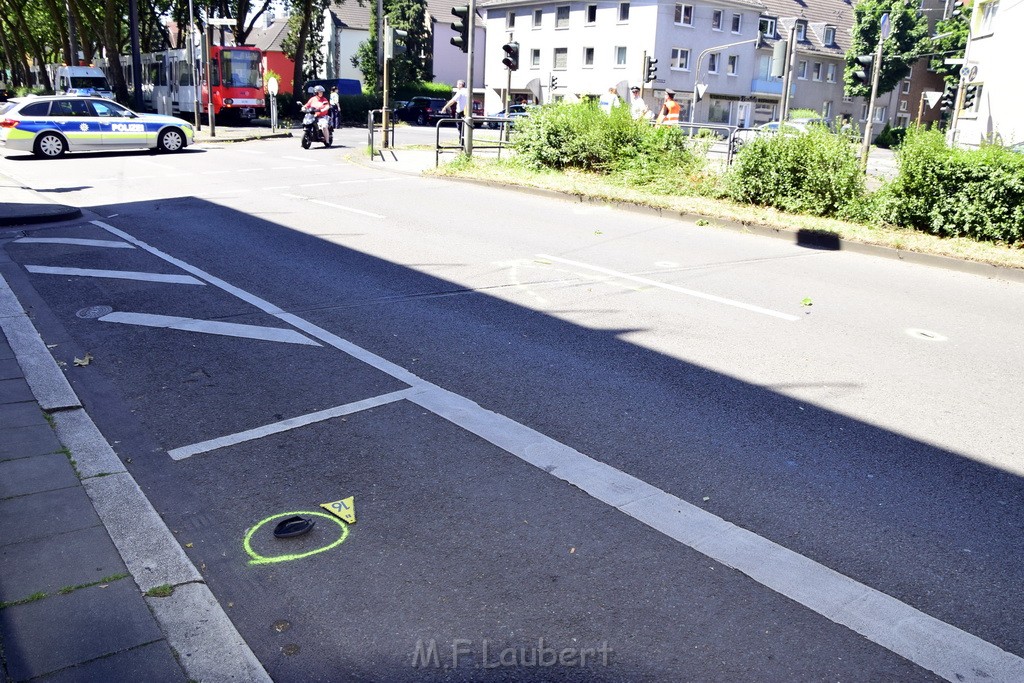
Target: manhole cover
{"x":94,"y":312}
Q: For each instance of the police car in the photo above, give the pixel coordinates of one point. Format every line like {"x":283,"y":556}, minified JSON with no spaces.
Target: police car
{"x":51,"y":125}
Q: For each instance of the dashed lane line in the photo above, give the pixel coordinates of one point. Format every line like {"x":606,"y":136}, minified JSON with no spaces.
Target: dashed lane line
{"x":673,"y":288}
{"x":116,"y":274}
{"x":334,"y":206}
{"x":286,"y":425}
{"x":924,"y":640}
{"x":106,"y":244}
{"x":275,"y":334}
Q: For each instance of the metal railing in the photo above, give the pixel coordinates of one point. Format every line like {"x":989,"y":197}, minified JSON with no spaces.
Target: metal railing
{"x":372,"y":126}
{"x":499,"y":123}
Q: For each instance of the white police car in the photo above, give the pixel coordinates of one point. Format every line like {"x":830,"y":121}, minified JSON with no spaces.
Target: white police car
{"x":51,"y":125}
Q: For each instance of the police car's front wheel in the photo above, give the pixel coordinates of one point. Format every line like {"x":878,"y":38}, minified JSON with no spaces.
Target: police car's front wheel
{"x":171,"y":140}
{"x":50,"y":145}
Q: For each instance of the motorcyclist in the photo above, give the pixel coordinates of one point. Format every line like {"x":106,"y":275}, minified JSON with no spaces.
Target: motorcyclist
{"x":321,"y":106}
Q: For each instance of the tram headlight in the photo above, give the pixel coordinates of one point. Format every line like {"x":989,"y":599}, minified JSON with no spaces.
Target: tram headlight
{"x":228,"y":101}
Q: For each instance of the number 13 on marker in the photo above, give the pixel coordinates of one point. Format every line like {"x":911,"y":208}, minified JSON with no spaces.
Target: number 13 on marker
{"x":346,"y":509}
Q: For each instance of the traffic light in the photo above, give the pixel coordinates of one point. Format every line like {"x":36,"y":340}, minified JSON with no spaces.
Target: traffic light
{"x":779,"y":58}
{"x":650,"y":69}
{"x":970,"y":98}
{"x":463,"y":26}
{"x":948,"y":99}
{"x":958,"y":9}
{"x":554,"y":81}
{"x":511,"y":59}
{"x":862,"y":76}
{"x":393,"y":44}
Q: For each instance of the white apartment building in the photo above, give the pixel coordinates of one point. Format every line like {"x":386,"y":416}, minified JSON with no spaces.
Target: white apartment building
{"x":589,"y":46}
{"x":992,"y":67}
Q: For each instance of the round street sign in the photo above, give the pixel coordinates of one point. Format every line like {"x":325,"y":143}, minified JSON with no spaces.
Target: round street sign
{"x":272,"y":85}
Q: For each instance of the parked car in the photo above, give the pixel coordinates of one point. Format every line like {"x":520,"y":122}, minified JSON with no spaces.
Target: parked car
{"x":345,"y":86}
{"x":422,"y":111}
{"x":515,"y":111}
{"x":1017,"y":147}
{"x":52,"y":125}
{"x":789,"y":127}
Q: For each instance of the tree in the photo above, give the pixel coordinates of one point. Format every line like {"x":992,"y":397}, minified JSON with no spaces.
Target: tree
{"x":305,"y":34}
{"x":408,"y":68}
{"x":951,"y":44}
{"x":907,"y":41}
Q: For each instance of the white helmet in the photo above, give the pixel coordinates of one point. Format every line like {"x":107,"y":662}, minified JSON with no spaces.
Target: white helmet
{"x":319,"y":89}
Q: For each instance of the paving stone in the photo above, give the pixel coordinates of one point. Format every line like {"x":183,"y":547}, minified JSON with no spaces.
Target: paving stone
{"x":9,"y":369}
{"x":15,"y":391}
{"x":51,"y":563}
{"x":24,"y":442}
{"x":153,"y":663}
{"x":45,"y":514}
{"x":39,"y":473}
{"x":56,"y":632}
{"x":24,"y":414}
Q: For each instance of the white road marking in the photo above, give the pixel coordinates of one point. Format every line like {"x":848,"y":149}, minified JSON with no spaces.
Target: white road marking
{"x":673,"y":288}
{"x":285,"y":425}
{"x":275,"y":334}
{"x":333,"y":206}
{"x":116,"y":274}
{"x":928,"y":642}
{"x":107,"y":244}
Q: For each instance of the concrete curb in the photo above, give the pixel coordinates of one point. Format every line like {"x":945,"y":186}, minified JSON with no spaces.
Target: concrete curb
{"x":210,"y":647}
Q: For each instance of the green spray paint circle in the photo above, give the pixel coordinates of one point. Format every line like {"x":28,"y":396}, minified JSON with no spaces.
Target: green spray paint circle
{"x":263,"y":559}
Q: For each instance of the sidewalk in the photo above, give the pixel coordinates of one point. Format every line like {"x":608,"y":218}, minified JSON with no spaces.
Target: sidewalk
{"x":93,"y":585}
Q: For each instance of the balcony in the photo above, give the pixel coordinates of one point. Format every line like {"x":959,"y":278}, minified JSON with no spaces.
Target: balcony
{"x":766,"y":86}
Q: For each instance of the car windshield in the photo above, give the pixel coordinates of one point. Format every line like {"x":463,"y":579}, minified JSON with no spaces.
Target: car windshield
{"x":94,"y":82}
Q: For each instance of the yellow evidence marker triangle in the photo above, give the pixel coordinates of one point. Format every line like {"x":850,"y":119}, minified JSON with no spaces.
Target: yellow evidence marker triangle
{"x":346,"y":509}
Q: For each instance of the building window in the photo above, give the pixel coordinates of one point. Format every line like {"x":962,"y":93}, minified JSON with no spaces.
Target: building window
{"x":734,"y":65}
{"x":713,"y":60}
{"x":903,"y":105}
{"x":801,"y":31}
{"x":801,"y":70}
{"x":684,"y":15}
{"x":905,"y":88}
{"x":680,"y":59}
{"x":737,"y":23}
{"x":562,"y":16}
{"x":830,"y":73}
{"x":826,"y":110}
{"x":535,"y":59}
{"x":591,"y":14}
{"x":830,"y":36}
{"x":716,"y":19}
{"x":623,"y":12}
{"x":864,"y":112}
{"x":766,"y":25}
{"x":588,"y":56}
{"x":816,"y":71}
{"x":561,"y":58}
{"x":538,"y":17}
{"x":510,"y":20}
{"x":880,"y":114}
{"x":988,"y":16}
{"x":620,"y":56}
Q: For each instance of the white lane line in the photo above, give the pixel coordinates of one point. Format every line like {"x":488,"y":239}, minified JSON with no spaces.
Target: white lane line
{"x":107,"y":244}
{"x":116,"y":274}
{"x":928,"y":642}
{"x":932,"y":644}
{"x":285,"y":425}
{"x":275,"y":334}
{"x":333,"y":206}
{"x":673,"y":288}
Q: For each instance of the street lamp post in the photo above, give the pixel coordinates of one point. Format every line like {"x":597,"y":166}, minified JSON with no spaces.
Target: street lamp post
{"x":759,"y":42}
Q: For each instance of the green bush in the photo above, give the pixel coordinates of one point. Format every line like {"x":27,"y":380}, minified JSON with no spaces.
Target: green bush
{"x":581,"y":136}
{"x":890,"y":137}
{"x":956,"y":192}
{"x":816,"y":172}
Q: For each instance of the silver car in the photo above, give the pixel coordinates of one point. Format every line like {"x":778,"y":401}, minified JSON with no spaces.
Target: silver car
{"x":52,"y":125}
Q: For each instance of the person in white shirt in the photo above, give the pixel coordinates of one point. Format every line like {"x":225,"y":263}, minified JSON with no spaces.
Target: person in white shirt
{"x":638,"y":107}
{"x":609,"y":101}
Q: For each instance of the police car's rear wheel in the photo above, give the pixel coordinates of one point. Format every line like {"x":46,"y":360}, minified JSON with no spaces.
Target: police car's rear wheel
{"x":50,"y":145}
{"x":171,"y":140}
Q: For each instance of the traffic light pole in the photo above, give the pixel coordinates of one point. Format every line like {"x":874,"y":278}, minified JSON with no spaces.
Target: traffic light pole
{"x":468,"y":111}
{"x":875,"y":73}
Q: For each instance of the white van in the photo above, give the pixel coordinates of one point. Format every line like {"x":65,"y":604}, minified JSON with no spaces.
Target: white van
{"x":81,"y":80}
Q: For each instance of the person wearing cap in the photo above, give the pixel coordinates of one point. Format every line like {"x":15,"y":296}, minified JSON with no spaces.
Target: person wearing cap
{"x":669,"y":114}
{"x":609,"y":100}
{"x":637,"y":106}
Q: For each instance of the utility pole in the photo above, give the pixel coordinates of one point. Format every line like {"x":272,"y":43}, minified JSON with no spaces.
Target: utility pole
{"x":192,"y":64}
{"x":866,"y":144}
{"x":468,"y":113}
{"x":787,"y":78}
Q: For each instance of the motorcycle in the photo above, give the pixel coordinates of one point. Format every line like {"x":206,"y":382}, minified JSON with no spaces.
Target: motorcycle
{"x":312,"y":131}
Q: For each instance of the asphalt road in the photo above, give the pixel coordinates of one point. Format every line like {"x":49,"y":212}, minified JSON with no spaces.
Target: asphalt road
{"x":668,"y":451}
